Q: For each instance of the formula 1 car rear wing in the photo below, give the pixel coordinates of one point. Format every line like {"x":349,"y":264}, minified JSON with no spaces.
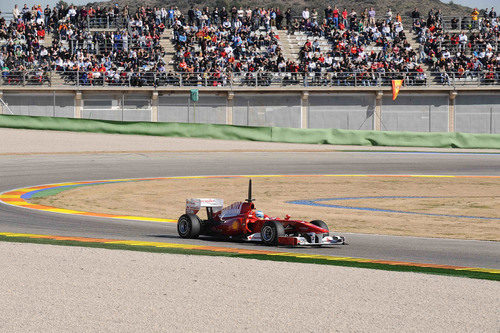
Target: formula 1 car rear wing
{"x":213,"y":205}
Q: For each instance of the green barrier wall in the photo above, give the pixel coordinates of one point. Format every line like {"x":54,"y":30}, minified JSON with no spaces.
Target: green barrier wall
{"x":270,"y":134}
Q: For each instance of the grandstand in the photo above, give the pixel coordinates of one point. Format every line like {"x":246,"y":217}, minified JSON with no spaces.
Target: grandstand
{"x":161,"y":51}
{"x":258,"y":47}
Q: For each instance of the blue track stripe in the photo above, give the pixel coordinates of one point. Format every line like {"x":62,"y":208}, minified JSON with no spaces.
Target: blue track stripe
{"x":426,"y":152}
{"x":315,"y":202}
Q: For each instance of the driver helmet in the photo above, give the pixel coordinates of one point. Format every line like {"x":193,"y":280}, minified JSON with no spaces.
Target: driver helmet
{"x":259,"y":214}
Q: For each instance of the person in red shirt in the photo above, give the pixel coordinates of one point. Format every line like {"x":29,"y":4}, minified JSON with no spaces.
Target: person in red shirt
{"x":335,"y":17}
{"x":344,"y":18}
{"x":40,"y":33}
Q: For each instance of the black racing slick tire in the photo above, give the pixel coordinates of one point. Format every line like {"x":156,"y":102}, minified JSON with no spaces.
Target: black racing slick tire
{"x":271,"y":231}
{"x":189,"y":226}
{"x":321,"y":224}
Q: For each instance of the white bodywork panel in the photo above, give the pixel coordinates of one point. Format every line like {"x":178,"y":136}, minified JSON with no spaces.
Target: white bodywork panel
{"x":194,"y":205}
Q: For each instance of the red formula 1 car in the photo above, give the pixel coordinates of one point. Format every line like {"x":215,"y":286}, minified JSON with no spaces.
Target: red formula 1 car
{"x":241,"y":221}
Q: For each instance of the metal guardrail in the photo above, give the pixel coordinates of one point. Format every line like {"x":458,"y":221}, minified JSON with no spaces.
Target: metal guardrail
{"x":249,"y":79}
{"x":468,"y":47}
{"x":107,"y":22}
{"x":108,"y":46}
{"x":447,"y":22}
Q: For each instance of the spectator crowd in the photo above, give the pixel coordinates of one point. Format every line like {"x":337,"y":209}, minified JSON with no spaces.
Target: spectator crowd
{"x":461,"y":54}
{"x":214,"y":45}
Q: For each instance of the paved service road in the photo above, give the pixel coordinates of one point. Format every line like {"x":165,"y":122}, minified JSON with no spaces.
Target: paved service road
{"x":27,"y":170}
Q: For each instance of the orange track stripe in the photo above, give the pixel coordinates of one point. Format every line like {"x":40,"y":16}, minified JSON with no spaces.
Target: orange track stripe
{"x":11,"y":199}
{"x":39,"y":207}
{"x":17,"y":192}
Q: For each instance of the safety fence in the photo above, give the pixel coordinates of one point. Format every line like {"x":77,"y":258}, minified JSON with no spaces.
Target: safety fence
{"x":447,"y":23}
{"x":243,"y":79}
{"x":107,"y":46}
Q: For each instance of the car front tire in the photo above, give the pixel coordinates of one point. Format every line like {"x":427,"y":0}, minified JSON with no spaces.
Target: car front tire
{"x":321,"y":224}
{"x":271,"y":231}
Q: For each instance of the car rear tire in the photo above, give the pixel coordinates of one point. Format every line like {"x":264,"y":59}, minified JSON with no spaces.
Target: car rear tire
{"x":271,"y":231}
{"x":321,"y":224}
{"x":189,"y":226}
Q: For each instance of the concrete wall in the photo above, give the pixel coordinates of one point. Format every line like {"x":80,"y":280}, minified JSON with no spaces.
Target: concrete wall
{"x":117,"y":106}
{"x":278,"y":110}
{"x":433,"y":111}
{"x":415,"y":113}
{"x":40,"y":104}
{"x":179,"y":108}
{"x":342,"y":111}
{"x":477,"y":113}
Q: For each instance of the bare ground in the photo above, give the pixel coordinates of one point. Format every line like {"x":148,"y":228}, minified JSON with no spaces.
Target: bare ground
{"x":47,"y":288}
{"x":456,"y":196}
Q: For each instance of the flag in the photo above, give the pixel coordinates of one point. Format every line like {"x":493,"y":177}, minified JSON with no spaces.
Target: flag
{"x":396,"y":85}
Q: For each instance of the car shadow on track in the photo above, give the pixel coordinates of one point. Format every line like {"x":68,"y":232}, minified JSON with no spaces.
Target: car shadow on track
{"x":211,"y":239}
{"x":214,"y":240}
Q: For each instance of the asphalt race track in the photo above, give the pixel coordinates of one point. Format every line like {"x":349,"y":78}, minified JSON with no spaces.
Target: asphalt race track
{"x":28,"y":170}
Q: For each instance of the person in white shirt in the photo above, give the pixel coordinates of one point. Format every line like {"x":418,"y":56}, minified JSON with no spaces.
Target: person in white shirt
{"x":462,"y":39}
{"x":329,"y":60}
{"x":386,"y":30}
{"x":240,"y":12}
{"x":312,"y":66}
{"x":237,"y":24}
{"x":72,"y":14}
{"x":229,"y":51}
{"x":16,"y":12}
{"x":398,"y":27}
{"x":388,"y":15}
{"x":125,"y":41}
{"x":305,"y":14}
{"x":158,"y":16}
{"x":44,"y":52}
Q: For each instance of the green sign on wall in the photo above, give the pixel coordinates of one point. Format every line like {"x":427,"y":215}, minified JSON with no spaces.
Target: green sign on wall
{"x":194,"y":95}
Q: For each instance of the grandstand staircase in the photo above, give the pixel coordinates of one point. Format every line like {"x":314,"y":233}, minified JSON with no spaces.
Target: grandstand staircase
{"x":288,"y":48}
{"x":47,"y":42}
{"x":291,"y":44}
{"x":412,"y":39}
{"x":166,"y":42}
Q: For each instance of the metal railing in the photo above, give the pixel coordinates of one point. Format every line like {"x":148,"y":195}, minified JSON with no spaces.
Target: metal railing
{"x":108,"y":22}
{"x":248,"y":79}
{"x":105,"y":47}
{"x":447,"y":23}
{"x":450,"y":23}
{"x":468,"y":47}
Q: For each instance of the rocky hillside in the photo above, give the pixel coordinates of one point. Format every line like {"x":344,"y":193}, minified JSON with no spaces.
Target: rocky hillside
{"x":381,"y":6}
